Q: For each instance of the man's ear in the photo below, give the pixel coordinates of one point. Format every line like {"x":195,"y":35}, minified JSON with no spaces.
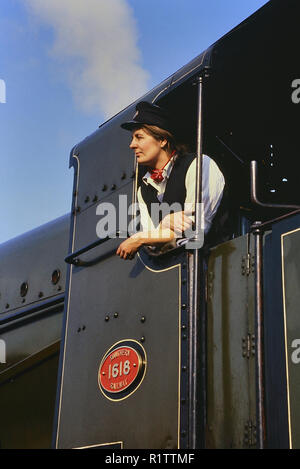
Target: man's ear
{"x":163,"y":143}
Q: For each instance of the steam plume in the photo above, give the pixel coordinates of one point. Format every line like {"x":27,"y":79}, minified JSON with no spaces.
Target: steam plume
{"x":96,"y":42}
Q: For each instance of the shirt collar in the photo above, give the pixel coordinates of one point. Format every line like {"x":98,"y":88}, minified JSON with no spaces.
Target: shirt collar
{"x":166,"y":171}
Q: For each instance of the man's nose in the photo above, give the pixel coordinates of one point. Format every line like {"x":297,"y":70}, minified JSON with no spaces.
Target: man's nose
{"x":132,"y":144}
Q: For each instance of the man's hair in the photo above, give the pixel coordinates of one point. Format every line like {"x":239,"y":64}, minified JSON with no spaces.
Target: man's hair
{"x":161,"y":134}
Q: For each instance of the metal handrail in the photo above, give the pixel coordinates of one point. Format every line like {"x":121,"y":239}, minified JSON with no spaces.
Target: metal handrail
{"x":73,"y":257}
{"x":254,"y":198}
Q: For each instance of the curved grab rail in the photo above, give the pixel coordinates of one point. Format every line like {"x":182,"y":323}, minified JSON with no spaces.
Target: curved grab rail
{"x":73,"y":257}
{"x":254,"y":198}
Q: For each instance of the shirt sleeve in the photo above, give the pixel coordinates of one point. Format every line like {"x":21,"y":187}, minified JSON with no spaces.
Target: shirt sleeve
{"x":213,"y":183}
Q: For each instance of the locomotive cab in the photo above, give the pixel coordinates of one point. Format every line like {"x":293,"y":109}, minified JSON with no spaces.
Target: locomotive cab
{"x":202,"y":374}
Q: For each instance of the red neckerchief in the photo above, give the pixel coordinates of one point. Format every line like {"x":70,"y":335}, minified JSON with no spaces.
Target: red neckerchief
{"x":157,"y":174}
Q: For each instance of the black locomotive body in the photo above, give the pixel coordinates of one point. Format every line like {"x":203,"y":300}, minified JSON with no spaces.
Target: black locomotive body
{"x":190,"y":348}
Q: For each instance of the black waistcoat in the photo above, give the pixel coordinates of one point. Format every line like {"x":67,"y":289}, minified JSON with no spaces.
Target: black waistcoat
{"x":175,"y":188}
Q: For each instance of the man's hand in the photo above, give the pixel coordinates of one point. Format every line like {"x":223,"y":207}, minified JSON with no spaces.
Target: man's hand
{"x":129,"y":247}
{"x":178,"y":222}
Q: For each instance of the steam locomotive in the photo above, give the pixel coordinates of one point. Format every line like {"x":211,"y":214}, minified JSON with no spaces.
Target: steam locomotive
{"x":187,"y":348}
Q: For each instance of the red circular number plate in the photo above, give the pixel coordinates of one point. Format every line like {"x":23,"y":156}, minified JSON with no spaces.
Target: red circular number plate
{"x":119,"y":369}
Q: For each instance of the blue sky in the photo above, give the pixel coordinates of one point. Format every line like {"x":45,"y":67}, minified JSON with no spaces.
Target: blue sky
{"x":62,"y":62}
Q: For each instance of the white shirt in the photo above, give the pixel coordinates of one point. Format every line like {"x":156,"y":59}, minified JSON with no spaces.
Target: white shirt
{"x":213,"y":183}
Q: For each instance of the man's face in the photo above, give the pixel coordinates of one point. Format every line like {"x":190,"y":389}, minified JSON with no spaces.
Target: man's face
{"x":147,"y":149}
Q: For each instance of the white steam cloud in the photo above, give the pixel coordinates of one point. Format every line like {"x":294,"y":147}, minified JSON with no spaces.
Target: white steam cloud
{"x":96,"y":42}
